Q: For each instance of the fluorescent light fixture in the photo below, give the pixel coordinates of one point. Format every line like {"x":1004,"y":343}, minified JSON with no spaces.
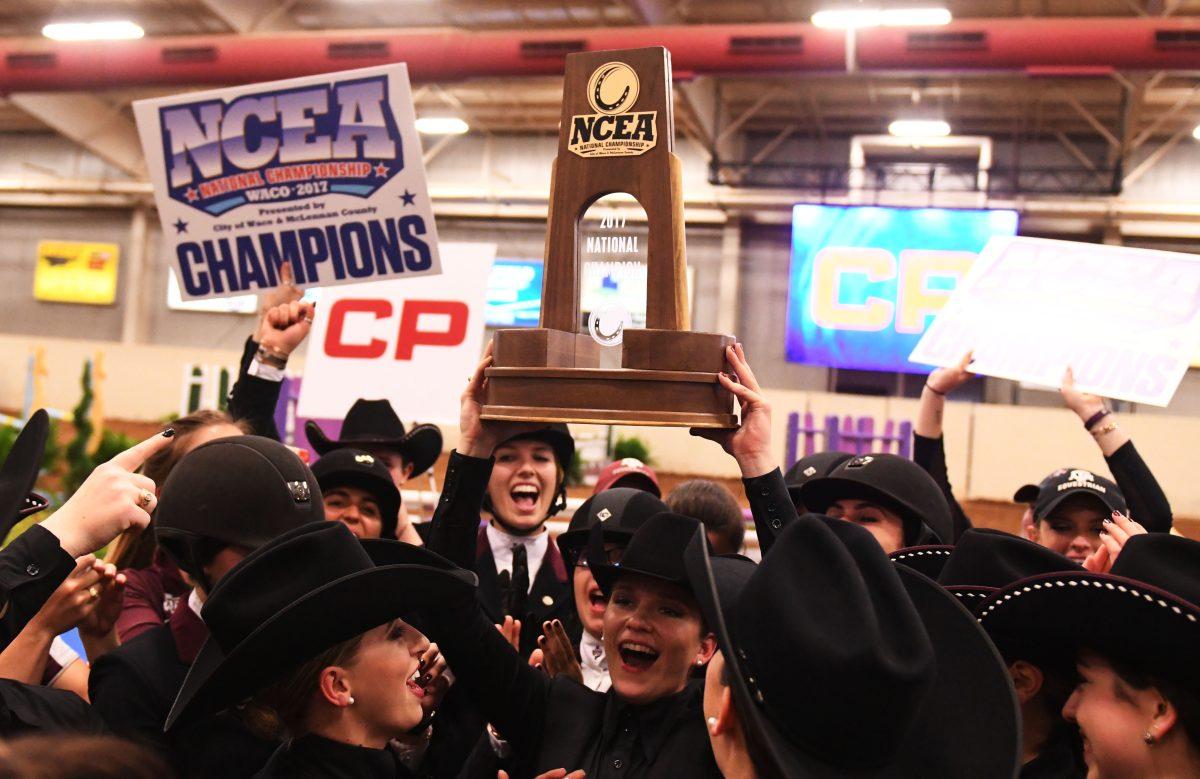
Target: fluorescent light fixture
{"x":120,"y":30}
{"x":859,"y":18}
{"x":846,"y":18}
{"x":919,"y":128}
{"x":441,"y":125}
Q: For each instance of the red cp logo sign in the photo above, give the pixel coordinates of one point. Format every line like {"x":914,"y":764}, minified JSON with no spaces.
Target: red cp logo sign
{"x":409,"y":333}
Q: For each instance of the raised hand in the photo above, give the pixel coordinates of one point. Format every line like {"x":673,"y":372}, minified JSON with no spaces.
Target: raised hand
{"x":1116,"y":532}
{"x":555,"y":653}
{"x":1084,"y":404}
{"x":285,"y":291}
{"x":433,"y":679}
{"x":478,"y":437}
{"x":73,"y":600}
{"x":285,"y":326}
{"x":945,"y":380}
{"x":110,"y":501}
{"x":100,"y":619}
{"x":511,"y":630}
{"x":749,"y":443}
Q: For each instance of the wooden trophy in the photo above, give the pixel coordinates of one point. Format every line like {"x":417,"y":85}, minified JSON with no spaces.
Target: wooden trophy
{"x":617,"y":135}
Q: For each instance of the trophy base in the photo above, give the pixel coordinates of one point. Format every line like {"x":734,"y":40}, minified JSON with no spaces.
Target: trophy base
{"x":619,"y":396}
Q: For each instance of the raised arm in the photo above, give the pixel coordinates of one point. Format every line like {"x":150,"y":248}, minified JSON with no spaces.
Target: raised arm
{"x":750,"y":445}
{"x":455,"y":522}
{"x":284,"y":323}
{"x":929,"y":450}
{"x":1147,"y":502}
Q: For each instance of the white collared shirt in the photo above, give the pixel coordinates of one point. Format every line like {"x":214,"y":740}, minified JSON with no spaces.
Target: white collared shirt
{"x":593,"y":663}
{"x":194,"y":602}
{"x":502,"y":544}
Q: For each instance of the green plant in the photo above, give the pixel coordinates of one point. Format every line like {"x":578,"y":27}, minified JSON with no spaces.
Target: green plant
{"x":79,"y":461}
{"x":632,"y":447}
{"x":575,"y":472}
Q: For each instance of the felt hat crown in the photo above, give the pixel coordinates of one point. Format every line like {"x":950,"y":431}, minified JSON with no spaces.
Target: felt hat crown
{"x":375,"y":423}
{"x":655,"y":550}
{"x":985,"y":560}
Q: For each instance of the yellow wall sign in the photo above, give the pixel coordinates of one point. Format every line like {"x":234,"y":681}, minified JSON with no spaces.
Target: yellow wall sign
{"x":76,"y":272}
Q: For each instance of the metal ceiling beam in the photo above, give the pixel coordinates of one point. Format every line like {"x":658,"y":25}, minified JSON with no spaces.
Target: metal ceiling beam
{"x":1090,"y":118}
{"x":1156,"y":156}
{"x":253,"y":15}
{"x":94,"y":124}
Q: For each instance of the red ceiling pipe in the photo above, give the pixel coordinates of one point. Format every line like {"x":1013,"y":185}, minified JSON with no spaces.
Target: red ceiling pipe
{"x":432,"y":55}
{"x":1143,"y":43}
{"x":446,"y":55}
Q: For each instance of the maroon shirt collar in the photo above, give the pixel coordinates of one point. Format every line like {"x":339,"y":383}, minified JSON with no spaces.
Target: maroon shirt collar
{"x":188,"y":630}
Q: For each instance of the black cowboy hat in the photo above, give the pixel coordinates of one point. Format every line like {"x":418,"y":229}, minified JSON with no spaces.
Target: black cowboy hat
{"x":371,"y":423}
{"x":240,"y":491}
{"x":20,"y":471}
{"x":927,"y":560}
{"x":814,"y":466}
{"x":618,"y":510}
{"x":985,"y":560}
{"x":843,"y":664}
{"x":891,"y":481}
{"x":655,"y":550}
{"x":1146,"y":610}
{"x":305,"y":592}
{"x":356,"y":468}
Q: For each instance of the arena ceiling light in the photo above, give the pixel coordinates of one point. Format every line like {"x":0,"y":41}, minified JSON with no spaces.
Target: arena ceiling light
{"x":859,"y":18}
{"x":441,"y":125}
{"x":919,"y":128}
{"x":116,"y":30}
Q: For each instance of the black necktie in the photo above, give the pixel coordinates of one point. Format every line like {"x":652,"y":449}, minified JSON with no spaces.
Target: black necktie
{"x":518,"y":591}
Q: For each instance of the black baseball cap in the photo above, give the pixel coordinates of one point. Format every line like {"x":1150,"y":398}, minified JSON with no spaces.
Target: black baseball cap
{"x":356,"y":468}
{"x":1068,"y":482}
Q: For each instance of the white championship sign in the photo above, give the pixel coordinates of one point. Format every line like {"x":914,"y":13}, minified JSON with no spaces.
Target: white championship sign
{"x":323,"y":172}
{"x":1126,"y":321}
{"x":412,"y":342}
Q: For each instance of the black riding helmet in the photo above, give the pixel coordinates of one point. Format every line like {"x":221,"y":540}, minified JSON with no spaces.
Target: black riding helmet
{"x":238,"y":491}
{"x":558,"y":438}
{"x":813,"y":466}
{"x":618,"y":510}
{"x":891,"y":481}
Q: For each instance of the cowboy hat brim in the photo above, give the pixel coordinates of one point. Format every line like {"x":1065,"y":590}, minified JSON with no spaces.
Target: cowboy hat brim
{"x":304,"y":629}
{"x":1109,"y":614}
{"x":969,"y":724}
{"x":20,"y":472}
{"x":420,"y":446}
{"x":929,"y":560}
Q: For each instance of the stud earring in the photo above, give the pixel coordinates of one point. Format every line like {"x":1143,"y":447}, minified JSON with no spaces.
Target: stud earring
{"x":1148,"y":737}
{"x":712,"y":723}
{"x":351,"y":701}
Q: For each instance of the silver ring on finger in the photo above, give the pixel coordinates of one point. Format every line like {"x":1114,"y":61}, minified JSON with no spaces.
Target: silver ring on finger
{"x":144,"y":498}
